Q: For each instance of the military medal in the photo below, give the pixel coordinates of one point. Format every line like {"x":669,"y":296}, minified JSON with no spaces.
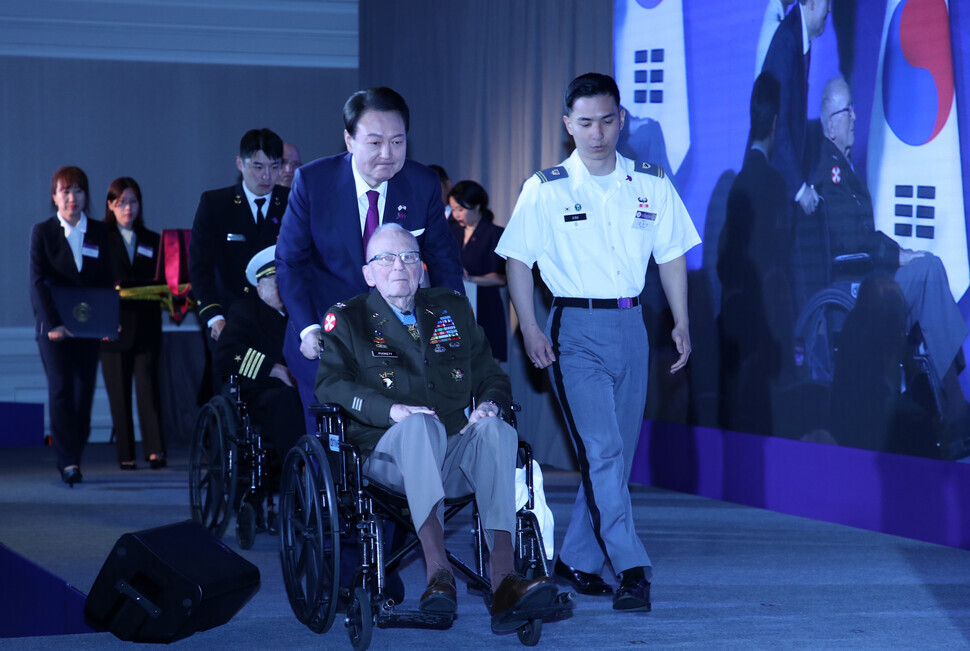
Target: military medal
{"x":445,"y":331}
{"x":413,"y":331}
{"x":379,"y":340}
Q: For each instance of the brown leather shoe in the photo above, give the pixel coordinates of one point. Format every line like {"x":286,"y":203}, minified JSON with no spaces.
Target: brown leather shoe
{"x":516,"y":597}
{"x":441,"y":595}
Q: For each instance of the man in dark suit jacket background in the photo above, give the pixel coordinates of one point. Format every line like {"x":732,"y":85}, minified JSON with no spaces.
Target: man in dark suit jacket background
{"x":233,"y":224}
{"x":755,"y":322}
{"x":336,"y":203}
{"x":788,"y":61}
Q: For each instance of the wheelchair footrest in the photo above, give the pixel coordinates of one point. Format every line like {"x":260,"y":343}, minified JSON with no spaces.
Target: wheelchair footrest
{"x":388,"y":617}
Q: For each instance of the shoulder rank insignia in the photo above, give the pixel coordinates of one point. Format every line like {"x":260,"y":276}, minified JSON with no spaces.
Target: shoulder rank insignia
{"x":552,"y":174}
{"x":649,"y":168}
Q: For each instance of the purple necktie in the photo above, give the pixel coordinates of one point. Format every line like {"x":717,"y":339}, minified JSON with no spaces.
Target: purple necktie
{"x":373,"y":219}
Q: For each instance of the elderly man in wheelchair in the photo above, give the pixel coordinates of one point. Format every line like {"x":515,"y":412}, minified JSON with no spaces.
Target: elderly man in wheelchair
{"x":404,"y":363}
{"x":244,"y":432}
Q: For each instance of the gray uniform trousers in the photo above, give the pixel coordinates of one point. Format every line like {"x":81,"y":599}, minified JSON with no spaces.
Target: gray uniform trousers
{"x":417,"y":458}
{"x":600,"y":379}
{"x":927,"y":292}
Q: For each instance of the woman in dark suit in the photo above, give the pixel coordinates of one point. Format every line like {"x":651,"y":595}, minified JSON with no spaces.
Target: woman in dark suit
{"x":67,"y":250}
{"x":477,"y":237}
{"x":134,"y":250}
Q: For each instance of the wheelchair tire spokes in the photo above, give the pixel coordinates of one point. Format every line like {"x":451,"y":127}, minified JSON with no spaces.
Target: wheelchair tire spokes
{"x":309,"y":535}
{"x":212,"y":473}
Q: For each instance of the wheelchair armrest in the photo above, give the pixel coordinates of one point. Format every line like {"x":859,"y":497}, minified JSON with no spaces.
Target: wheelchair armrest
{"x":325,"y":408}
{"x":852,"y":264}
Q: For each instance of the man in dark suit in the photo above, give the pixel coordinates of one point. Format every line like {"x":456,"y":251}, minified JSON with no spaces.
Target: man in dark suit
{"x":335,"y":205}
{"x":405,"y":363}
{"x":233,"y":224}
{"x":752,"y":263}
{"x":788,"y":61}
{"x":67,"y":250}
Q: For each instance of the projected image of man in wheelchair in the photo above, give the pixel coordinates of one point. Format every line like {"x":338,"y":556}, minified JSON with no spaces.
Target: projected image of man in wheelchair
{"x":243,"y":433}
{"x":853,"y":251}
{"x":399,"y":367}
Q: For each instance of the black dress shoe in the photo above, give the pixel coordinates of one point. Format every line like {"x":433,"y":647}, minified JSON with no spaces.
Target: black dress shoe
{"x":634,"y":591}
{"x":516,"y":596}
{"x":583,"y":582}
{"x":71,"y":476}
{"x":128,"y":465}
{"x":155,"y":462}
{"x":441,"y":595}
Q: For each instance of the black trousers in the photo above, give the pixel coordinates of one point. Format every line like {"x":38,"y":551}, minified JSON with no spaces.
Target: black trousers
{"x":119,"y":369}
{"x":71,"y":366}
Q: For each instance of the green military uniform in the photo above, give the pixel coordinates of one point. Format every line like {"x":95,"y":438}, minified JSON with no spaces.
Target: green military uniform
{"x":370,"y":361}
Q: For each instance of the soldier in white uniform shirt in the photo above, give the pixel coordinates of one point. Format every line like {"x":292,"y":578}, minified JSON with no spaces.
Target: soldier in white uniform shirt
{"x":592,"y":224}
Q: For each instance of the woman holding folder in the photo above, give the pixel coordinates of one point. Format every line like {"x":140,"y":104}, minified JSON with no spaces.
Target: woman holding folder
{"x":68,"y":250}
{"x":134,"y":355}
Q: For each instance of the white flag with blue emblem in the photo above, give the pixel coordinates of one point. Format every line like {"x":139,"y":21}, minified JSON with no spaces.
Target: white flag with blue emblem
{"x":915,"y":173}
{"x":651,"y":71}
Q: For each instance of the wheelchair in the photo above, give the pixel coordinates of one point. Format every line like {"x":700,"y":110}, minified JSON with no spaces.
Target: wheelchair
{"x":229,"y":469}
{"x":324,"y":498}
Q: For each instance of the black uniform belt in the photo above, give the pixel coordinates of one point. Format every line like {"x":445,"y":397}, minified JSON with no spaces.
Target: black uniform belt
{"x":598,"y":303}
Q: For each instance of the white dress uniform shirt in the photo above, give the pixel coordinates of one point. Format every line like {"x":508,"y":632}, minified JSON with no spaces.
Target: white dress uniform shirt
{"x":594,"y":239}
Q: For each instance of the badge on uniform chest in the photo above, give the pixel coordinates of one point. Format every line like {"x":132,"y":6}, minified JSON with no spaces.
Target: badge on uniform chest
{"x":644,"y":219}
{"x":387,"y":379}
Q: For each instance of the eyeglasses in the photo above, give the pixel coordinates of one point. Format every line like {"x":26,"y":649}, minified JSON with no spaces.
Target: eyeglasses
{"x":848,"y":108}
{"x":387,"y":259}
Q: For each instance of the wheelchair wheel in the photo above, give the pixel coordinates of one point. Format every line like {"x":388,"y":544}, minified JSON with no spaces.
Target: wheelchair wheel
{"x":309,"y":535}
{"x":213,"y":466}
{"x":360,"y":621}
{"x":817,"y":329}
{"x":530,"y":632}
{"x":246,"y":525}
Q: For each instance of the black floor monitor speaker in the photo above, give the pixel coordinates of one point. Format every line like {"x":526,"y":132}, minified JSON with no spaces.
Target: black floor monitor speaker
{"x":166,"y":583}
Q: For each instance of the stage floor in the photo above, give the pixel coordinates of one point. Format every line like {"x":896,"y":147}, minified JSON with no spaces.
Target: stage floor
{"x":725,"y":576}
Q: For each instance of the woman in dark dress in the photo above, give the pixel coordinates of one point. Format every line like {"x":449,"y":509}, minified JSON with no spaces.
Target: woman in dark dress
{"x":477,"y":237}
{"x":67,"y":250}
{"x":134,"y":250}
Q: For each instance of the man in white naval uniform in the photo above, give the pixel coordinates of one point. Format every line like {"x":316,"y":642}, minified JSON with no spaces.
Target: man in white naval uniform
{"x":592,"y":224}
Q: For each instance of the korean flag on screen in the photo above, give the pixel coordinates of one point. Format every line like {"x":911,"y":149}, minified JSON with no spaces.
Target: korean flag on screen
{"x":914,"y":145}
{"x":650,"y":69}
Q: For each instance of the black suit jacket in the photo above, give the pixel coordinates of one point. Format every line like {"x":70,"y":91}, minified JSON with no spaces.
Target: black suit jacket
{"x":224,"y":238}
{"x":756,"y":229}
{"x":52,"y":263}
{"x":786,"y":63}
{"x":141,"y":321}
